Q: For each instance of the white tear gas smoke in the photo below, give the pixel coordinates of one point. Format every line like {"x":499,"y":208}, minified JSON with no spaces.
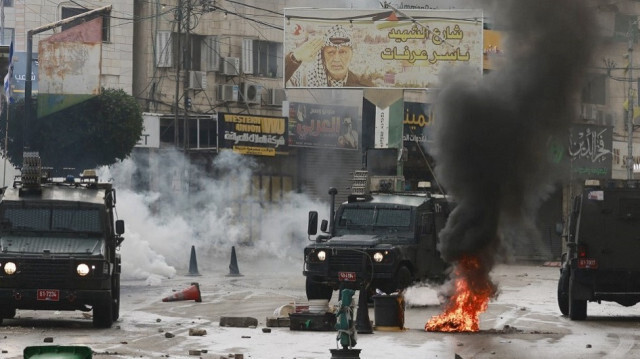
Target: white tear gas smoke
{"x":211,"y":214}
{"x":493,"y":133}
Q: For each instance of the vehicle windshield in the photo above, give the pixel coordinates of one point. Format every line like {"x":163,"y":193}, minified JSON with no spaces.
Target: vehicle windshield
{"x":44,"y":218}
{"x":374,"y":218}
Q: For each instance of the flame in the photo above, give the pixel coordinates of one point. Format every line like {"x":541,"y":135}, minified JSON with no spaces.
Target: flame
{"x":473,"y":289}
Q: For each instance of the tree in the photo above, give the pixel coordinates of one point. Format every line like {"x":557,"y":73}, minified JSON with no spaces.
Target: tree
{"x":97,"y":132}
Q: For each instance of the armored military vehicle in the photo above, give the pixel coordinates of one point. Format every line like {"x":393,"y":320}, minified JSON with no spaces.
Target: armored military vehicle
{"x":383,"y":240}
{"x":603,"y":245}
{"x":58,"y":245}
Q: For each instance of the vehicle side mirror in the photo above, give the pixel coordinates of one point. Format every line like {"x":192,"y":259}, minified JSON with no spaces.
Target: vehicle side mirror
{"x":323,"y":225}
{"x":119,"y":227}
{"x":312,"y":226}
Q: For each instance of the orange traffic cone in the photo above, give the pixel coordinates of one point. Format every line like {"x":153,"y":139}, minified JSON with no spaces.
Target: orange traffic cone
{"x":191,"y":293}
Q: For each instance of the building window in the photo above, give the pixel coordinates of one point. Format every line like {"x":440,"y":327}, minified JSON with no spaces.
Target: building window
{"x":199,"y":52}
{"x":594,"y":92}
{"x":211,"y":53}
{"x":7,"y":3}
{"x":7,"y":36}
{"x":68,"y":12}
{"x":262,"y":58}
{"x":622,"y":26}
{"x":164,"y":49}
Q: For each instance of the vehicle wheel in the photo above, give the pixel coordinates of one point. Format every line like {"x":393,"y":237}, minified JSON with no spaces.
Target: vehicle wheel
{"x":7,"y":313}
{"x":577,"y":307}
{"x":401,"y":280}
{"x":317,"y":290}
{"x":115,"y":298}
{"x":103,"y":314}
{"x":563,"y":292}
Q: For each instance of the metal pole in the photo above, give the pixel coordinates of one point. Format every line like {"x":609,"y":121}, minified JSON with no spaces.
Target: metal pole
{"x":630,"y":160}
{"x":176,"y":136}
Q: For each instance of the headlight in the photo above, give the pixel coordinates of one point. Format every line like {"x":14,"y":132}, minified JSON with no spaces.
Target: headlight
{"x":82,"y":269}
{"x":378,"y":257}
{"x":10,"y":268}
{"x":322,"y":255}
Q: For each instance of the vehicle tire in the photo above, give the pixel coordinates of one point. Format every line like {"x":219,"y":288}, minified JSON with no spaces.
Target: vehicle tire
{"x":7,"y":313}
{"x":316,"y":290}
{"x":401,"y":280}
{"x":115,"y":298}
{"x":577,"y":307}
{"x":103,"y":314}
{"x":563,"y":292}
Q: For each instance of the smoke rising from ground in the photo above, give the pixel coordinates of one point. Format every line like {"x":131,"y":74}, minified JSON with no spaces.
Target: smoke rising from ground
{"x":211,"y":214}
{"x":493,"y":134}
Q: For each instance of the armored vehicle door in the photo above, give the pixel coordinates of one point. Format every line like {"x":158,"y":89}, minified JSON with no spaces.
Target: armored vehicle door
{"x":609,"y":228}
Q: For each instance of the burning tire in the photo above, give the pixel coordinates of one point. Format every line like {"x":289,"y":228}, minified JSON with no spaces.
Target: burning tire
{"x":316,"y":290}
{"x":563,"y":292}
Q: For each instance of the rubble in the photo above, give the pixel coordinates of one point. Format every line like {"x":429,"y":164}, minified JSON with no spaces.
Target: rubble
{"x":238,"y":322}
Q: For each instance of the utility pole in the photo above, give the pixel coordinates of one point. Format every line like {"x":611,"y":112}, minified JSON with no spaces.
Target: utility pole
{"x":176,"y":135}
{"x":630,"y":161}
{"x":187,"y":75}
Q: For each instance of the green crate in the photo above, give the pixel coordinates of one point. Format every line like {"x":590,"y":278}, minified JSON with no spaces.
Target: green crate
{"x":57,"y":352}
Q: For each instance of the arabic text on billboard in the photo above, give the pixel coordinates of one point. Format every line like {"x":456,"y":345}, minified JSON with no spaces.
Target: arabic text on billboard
{"x":379,"y":48}
{"x":253,"y":135}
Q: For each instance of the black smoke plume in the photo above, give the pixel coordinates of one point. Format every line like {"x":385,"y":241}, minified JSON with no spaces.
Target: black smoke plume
{"x":493,"y":133}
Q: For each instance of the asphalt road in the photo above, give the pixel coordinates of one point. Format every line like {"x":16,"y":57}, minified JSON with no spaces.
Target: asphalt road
{"x":522,"y":322}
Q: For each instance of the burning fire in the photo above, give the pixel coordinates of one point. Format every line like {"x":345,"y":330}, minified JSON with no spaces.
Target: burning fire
{"x":473,"y":289}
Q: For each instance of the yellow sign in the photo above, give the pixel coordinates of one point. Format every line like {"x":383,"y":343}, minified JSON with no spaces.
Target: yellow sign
{"x":256,"y":151}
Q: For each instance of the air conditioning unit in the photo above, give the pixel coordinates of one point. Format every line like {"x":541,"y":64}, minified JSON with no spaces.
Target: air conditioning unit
{"x":250,"y":93}
{"x":197,"y":80}
{"x":231,"y":66}
{"x":227,"y":93}
{"x":276,"y":96}
{"x":605,"y":118}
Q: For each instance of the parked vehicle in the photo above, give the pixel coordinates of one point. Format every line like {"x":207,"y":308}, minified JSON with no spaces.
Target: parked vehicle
{"x":603,"y":246}
{"x":58,"y":245}
{"x":376,"y":240}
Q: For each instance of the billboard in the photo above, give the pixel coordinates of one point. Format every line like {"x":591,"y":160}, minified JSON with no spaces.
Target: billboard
{"x":324,"y":126}
{"x":70,"y":65}
{"x":379,"y":48}
{"x":18,"y":81}
{"x":252,"y":134}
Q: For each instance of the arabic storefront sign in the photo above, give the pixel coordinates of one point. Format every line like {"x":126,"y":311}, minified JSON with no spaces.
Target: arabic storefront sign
{"x":379,"y":48}
{"x":316,"y":125}
{"x":253,"y":135}
{"x":418,"y":122}
{"x":590,"y":151}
